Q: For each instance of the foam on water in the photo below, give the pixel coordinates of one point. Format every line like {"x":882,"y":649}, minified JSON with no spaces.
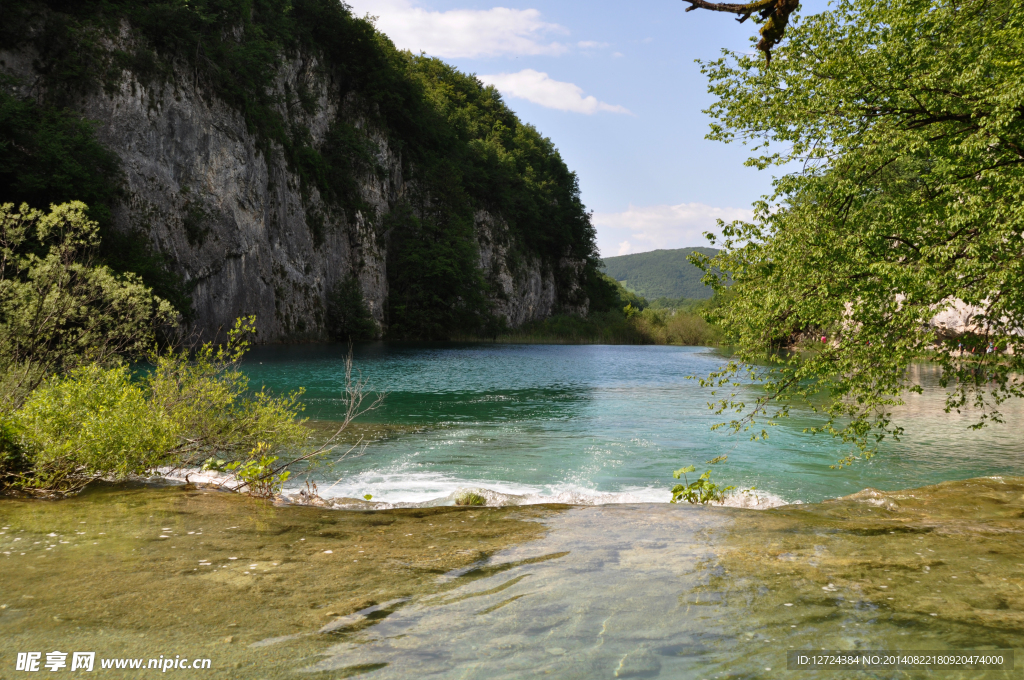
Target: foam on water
{"x":428,"y":489}
{"x":402,"y":489}
{"x":194,"y":475}
{"x":600,"y":424}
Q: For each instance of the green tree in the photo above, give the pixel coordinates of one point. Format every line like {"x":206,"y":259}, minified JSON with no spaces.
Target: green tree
{"x":435,"y":283}
{"x":59,"y":310}
{"x":348,"y":317}
{"x":904,"y":120}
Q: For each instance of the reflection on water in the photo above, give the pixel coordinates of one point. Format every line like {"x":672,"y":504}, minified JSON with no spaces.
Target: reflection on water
{"x":584,"y":592}
{"x":576,"y":420}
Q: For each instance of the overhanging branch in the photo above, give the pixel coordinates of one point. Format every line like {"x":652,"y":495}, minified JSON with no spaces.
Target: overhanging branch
{"x":774,"y":12}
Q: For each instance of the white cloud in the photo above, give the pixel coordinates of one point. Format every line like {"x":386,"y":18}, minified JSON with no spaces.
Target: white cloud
{"x":539,"y":88}
{"x":661,"y":226}
{"x":591,"y":45}
{"x":618,"y":54}
{"x":462,"y":33}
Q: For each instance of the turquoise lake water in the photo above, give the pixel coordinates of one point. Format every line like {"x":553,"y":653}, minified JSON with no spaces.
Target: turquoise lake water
{"x":611,"y":585}
{"x":587,"y":424}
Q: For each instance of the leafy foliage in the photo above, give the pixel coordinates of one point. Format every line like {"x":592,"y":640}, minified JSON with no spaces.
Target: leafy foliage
{"x":207,"y":400}
{"x":93,"y":421}
{"x":905,"y":117}
{"x":100,"y":422}
{"x":606,"y":293}
{"x":675,"y":327}
{"x":257,"y":473}
{"x":603,"y":292}
{"x":348,"y":317}
{"x":58,"y":310}
{"x":692,"y":306}
{"x":702,"y":490}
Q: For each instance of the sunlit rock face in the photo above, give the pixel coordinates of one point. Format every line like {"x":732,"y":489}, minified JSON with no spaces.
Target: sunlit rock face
{"x":522,"y":288}
{"x":957,"y":318}
{"x":235,"y":220}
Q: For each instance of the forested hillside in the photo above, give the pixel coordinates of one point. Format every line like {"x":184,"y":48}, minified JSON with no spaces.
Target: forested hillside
{"x":660,"y":273}
{"x":283,"y":158}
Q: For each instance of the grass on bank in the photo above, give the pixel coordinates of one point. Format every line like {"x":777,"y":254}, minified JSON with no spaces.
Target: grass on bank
{"x":623,"y":318}
{"x":632,"y":327}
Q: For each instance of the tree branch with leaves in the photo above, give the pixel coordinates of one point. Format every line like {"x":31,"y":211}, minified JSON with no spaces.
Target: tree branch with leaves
{"x":904,"y":120}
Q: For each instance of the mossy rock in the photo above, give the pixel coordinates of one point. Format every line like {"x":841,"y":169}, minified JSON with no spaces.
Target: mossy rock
{"x":469,"y":498}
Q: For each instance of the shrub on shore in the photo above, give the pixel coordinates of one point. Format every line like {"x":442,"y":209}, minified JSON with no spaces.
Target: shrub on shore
{"x":97,"y":421}
{"x":71,"y":408}
{"x":93,"y":421}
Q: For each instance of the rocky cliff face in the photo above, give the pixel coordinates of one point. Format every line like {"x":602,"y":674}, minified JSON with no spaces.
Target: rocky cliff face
{"x":235,"y":220}
{"x":522,"y":290}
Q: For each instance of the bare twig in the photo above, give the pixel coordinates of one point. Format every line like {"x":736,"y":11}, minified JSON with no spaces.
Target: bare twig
{"x":354,"y":397}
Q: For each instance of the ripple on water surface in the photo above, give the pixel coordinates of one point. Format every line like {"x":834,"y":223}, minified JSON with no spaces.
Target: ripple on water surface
{"x":574,"y":592}
{"x":599,"y":421}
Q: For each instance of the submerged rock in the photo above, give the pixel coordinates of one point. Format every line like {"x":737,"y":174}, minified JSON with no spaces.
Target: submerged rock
{"x":640,"y":663}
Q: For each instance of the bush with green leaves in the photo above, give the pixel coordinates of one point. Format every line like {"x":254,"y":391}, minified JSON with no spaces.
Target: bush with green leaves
{"x":93,"y":422}
{"x":257,"y":475}
{"x":207,"y":399}
{"x":99,"y":422}
{"x":58,"y":308}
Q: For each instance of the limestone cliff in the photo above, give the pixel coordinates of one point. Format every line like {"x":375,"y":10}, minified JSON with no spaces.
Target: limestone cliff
{"x":239,"y":225}
{"x":523,"y":291}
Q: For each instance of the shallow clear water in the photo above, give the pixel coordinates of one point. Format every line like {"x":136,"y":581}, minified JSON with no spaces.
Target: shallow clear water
{"x":612,"y":591}
{"x":572,"y":423}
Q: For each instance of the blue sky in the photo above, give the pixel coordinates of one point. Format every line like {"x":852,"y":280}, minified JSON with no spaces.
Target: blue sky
{"x":615,"y":86}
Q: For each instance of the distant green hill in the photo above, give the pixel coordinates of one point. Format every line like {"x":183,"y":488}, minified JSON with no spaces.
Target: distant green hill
{"x":660,"y":273}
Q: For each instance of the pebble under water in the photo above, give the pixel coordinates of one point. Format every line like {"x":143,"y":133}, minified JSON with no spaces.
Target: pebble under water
{"x":609,"y":591}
